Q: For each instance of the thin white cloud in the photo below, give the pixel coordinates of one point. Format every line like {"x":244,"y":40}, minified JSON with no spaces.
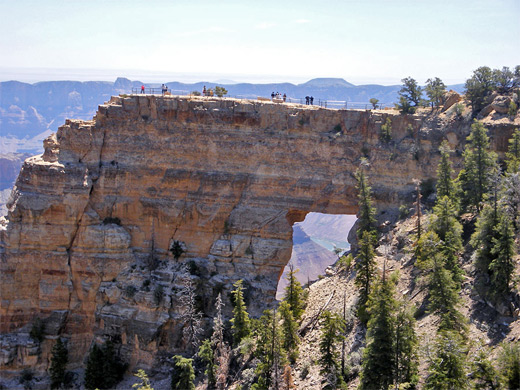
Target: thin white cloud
{"x":302,"y":21}
{"x":265,"y":25}
{"x":210,"y":30}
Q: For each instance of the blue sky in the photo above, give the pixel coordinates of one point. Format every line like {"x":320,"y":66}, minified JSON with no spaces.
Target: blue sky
{"x":362,"y":41}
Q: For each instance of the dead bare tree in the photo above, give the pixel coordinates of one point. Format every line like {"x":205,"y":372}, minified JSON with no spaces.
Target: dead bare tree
{"x":191,"y":317}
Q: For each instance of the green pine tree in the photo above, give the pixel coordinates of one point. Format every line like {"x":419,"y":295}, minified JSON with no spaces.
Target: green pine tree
{"x":446,"y":185}
{"x":59,"y":359}
{"x":94,"y":370}
{"x":447,"y":369}
{"x":479,"y":163}
{"x":503,"y":250}
{"x":183,"y":374}
{"x":449,"y":230}
{"x":405,"y":346}
{"x":207,"y":354}
{"x":333,"y":330}
{"x":484,"y":375}
{"x":365,"y":270}
{"x":513,"y":154}
{"x":241,"y":324}
{"x":295,"y":296}
{"x":443,"y":291}
{"x":268,"y":350}
{"x":289,"y":332}
{"x":104,"y":368}
{"x":509,"y":363}
{"x":379,"y":355}
{"x":367,"y":213}
{"x":482,"y":238}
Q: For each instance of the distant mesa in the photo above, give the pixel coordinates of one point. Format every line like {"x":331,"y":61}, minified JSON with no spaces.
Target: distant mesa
{"x":327,"y":83}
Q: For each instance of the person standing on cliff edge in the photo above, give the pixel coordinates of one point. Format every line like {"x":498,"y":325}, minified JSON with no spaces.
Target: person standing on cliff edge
{"x":142,"y":88}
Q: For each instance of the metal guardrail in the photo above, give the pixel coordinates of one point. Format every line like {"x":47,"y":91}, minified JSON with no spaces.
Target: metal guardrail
{"x":334,"y":104}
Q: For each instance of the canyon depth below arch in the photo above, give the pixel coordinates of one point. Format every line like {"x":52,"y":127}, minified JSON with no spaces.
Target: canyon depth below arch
{"x":91,"y":222}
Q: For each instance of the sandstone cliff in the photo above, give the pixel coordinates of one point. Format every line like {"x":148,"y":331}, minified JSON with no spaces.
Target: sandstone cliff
{"x":86,"y":244}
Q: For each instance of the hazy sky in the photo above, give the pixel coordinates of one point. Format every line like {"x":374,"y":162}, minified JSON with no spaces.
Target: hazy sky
{"x":362,"y":41}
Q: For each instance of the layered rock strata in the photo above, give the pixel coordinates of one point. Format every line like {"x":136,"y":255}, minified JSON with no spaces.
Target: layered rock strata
{"x":87,"y":245}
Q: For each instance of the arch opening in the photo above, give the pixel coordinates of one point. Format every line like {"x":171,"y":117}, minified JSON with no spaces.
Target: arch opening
{"x":315,"y":240}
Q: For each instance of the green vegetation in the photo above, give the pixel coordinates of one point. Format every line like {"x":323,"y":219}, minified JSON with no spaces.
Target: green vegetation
{"x":374,"y":102}
{"x":144,"y":383}
{"x":183,"y":374}
{"x":385,"y":134}
{"x":410,"y":93}
{"x":447,"y":365}
{"x":59,"y":358}
{"x":241,"y":324}
{"x":479,"y":165}
{"x":333,"y":327}
{"x":435,"y":90}
{"x":104,"y":368}
{"x":220,"y":91}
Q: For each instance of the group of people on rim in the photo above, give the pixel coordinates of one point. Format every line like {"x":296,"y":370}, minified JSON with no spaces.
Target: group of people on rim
{"x":278,"y":96}
{"x":164,"y":89}
{"x":309,"y":100}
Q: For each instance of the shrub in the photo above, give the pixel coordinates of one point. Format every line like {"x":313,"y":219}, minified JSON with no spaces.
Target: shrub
{"x":512,"y":109}
{"x":374,"y":102}
{"x":26,"y":378}
{"x":195,"y":93}
{"x":458,"y":109}
{"x":385,"y":134}
{"x":114,"y":220}
{"x":176,"y":249}
{"x":404,"y":211}
{"x":220,"y":91}
{"x":37,"y":332}
{"x":130,"y":291}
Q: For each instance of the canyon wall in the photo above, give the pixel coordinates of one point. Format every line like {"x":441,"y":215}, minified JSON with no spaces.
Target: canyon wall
{"x":87,"y":243}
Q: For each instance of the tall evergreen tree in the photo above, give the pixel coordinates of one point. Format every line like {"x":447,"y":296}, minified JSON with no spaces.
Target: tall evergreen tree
{"x":289,"y":332}
{"x":503,"y":250}
{"x":443,"y":291}
{"x":367,"y":213}
{"x":59,"y":359}
{"x":268,"y":351}
{"x":379,"y":356}
{"x":241,"y":324}
{"x":484,"y":375}
{"x":509,"y":362}
{"x":294,"y":294}
{"x":183,"y":374}
{"x":482,"y":238}
{"x":511,"y":198}
{"x":479,"y":163}
{"x":445,"y":184}
{"x":447,"y":370}
{"x":449,"y":230}
{"x":104,"y":368}
{"x":207,"y":354}
{"x":333,"y":329}
{"x":365,"y":270}
{"x":513,"y":153}
{"x":405,"y":346}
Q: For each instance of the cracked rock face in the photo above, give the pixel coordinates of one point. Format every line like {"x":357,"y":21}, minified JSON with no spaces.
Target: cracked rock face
{"x":87,"y":245}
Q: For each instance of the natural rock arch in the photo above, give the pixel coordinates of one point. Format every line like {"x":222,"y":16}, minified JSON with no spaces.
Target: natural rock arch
{"x":94,"y":217}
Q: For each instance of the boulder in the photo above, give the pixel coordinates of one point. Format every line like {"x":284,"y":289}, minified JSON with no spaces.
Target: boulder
{"x":450,"y":99}
{"x":501,"y":104}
